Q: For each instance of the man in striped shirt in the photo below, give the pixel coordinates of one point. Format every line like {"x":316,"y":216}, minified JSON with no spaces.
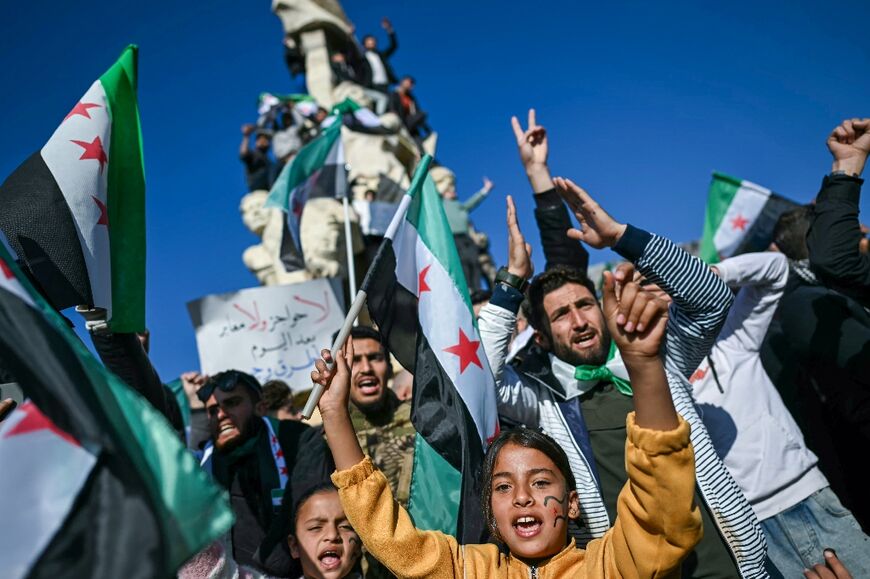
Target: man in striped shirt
{"x":571,"y":384}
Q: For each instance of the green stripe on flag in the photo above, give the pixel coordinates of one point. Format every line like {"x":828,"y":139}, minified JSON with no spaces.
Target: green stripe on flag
{"x":430,"y":507}
{"x":309,"y":159}
{"x":723,"y":189}
{"x":426,"y":214}
{"x":126,"y":195}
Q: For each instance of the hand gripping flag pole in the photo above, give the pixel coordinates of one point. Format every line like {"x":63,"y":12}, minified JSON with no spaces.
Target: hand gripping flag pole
{"x":360,"y":299}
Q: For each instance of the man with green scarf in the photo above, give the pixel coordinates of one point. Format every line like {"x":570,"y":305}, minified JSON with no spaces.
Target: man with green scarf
{"x":571,"y":382}
{"x":251,"y":455}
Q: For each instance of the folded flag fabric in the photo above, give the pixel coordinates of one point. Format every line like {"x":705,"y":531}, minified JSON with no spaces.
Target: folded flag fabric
{"x":95,"y":481}
{"x":740,"y":217}
{"x":74,"y":212}
{"x":418,"y":296}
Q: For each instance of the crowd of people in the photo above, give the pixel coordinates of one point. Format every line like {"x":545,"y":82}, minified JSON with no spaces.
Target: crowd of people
{"x":286,"y":123}
{"x":694,"y":420}
{"x":687,"y":419}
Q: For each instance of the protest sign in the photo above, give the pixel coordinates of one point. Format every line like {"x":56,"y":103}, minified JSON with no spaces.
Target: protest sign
{"x":273,"y":333}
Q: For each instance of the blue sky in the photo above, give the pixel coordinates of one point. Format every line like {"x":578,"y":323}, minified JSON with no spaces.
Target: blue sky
{"x":642,"y":99}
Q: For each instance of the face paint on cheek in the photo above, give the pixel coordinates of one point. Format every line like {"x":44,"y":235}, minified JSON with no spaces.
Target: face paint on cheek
{"x":557,"y":512}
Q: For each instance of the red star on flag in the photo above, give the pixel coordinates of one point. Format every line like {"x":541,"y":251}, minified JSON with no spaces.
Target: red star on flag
{"x":5,"y":270}
{"x":739,"y":222}
{"x":283,"y":470}
{"x":33,"y":421}
{"x":466,"y":350}
{"x":421,"y":281}
{"x":81,"y":109}
{"x":93,"y":150}
{"x":104,"y":215}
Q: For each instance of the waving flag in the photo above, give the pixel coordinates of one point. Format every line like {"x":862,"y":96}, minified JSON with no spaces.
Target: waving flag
{"x":419,"y":298}
{"x":75,"y":210}
{"x":740,"y":217}
{"x":95,"y":483}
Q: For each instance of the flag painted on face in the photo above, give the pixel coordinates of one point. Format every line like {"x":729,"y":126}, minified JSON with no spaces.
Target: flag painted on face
{"x":419,"y":298}
{"x":95,"y":481}
{"x":74,"y":211}
{"x":740,"y":218}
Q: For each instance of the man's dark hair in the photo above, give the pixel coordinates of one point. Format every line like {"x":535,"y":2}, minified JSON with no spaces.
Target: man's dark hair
{"x":790,"y":232}
{"x":526,"y":438}
{"x":549,"y":281}
{"x":367,"y":332}
{"x":411,"y":78}
{"x":276,"y":394}
{"x":367,"y":36}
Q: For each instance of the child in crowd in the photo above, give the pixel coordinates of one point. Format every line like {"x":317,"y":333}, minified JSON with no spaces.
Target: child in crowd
{"x":529,"y":490}
{"x":322,"y":538}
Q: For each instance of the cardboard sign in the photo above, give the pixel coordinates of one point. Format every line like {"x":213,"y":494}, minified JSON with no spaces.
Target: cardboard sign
{"x":272,"y":333}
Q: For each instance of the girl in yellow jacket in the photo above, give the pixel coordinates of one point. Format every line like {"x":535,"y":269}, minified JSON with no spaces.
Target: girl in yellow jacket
{"x":529,"y":491}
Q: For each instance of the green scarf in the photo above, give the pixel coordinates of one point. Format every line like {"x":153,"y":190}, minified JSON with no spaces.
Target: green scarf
{"x":589,"y":373}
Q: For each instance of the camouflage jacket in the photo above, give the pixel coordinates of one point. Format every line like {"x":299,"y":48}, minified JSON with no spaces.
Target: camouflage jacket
{"x":388,"y":437}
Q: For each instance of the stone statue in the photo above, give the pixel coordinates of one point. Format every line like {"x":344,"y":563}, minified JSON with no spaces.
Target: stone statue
{"x":264,"y":259}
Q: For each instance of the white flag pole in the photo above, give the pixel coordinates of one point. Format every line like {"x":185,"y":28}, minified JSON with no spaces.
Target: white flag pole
{"x":348,"y":242}
{"x":361,"y":295}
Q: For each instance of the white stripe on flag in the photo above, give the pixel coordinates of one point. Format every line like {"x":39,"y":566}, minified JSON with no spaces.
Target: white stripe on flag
{"x":742,"y":213}
{"x":83,"y":180}
{"x":443,"y":313}
{"x":42,"y":476}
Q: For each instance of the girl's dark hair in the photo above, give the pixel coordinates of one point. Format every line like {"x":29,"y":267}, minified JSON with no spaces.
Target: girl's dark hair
{"x":303,"y":498}
{"x":526,"y":438}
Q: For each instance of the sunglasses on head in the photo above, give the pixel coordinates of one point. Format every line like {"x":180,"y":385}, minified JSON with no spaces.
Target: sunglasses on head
{"x":226,"y":381}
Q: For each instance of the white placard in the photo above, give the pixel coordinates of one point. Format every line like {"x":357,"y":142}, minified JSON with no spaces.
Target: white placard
{"x":272,"y":333}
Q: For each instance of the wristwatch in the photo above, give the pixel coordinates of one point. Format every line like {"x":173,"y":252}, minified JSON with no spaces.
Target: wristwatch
{"x":514,"y":281}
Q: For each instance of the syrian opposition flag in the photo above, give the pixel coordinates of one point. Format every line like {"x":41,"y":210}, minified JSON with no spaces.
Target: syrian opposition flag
{"x":75,"y":210}
{"x":418,"y":296}
{"x":318,"y":170}
{"x":94,"y":483}
{"x":740,"y":218}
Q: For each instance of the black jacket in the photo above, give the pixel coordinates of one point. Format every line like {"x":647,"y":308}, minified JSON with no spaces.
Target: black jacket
{"x":553,"y":221}
{"x":123,"y":354}
{"x":365,"y":68}
{"x":833,"y":238}
{"x":817,"y":354}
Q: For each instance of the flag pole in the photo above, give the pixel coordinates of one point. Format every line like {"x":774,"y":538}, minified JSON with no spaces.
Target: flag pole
{"x":360,"y":299}
{"x":348,"y":242}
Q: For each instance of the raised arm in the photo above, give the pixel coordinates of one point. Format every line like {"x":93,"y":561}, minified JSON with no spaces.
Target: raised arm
{"x":391,"y":36}
{"x":761,"y":279}
{"x":475,"y":200}
{"x":550,"y":213}
{"x":383,"y":525}
{"x":700,"y":299}
{"x":245,"y":145}
{"x":658,"y":522}
{"x":835,"y":232}
{"x":516,"y":401}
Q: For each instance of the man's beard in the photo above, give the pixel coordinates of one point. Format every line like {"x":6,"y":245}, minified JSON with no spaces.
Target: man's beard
{"x":591,"y":357}
{"x":229,"y":445}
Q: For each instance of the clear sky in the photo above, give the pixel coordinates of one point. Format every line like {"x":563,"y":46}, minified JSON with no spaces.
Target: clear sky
{"x":642,"y":99}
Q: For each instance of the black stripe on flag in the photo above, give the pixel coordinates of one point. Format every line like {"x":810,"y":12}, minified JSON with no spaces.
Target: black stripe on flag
{"x":40,"y":227}
{"x":760,"y":233}
{"x":99,"y":539}
{"x":438,"y":412}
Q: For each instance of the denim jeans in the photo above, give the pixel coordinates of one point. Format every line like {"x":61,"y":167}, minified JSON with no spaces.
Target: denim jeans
{"x":796,"y":537}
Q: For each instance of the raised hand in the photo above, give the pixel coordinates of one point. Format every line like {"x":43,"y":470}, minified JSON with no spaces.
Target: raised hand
{"x":386,"y":24}
{"x":533,"y":149}
{"x":487,"y":184}
{"x":637,"y":322}
{"x":597,"y":228}
{"x":519,"y":252}
{"x":636,"y":318}
{"x":333,"y":373}
{"x":849,"y":143}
